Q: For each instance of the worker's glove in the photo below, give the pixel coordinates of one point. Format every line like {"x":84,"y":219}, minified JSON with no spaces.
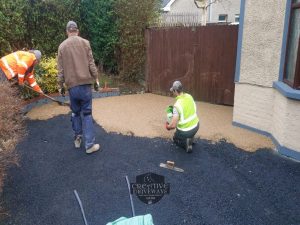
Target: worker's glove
{"x":167,"y":126}
{"x":96,"y":86}
{"x":62,"y":91}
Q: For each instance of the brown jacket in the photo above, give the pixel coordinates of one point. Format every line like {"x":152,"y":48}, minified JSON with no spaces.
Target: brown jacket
{"x":76,"y":64}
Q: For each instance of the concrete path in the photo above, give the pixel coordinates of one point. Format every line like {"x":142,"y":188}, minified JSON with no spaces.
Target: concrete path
{"x":221,"y":184}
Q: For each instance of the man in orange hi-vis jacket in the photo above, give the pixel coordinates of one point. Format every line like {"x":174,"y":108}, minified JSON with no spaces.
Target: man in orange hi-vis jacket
{"x":20,"y":65}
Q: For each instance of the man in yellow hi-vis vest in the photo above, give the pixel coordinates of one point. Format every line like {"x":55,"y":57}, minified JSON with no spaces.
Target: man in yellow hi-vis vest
{"x":20,"y":65}
{"x":184,"y":118}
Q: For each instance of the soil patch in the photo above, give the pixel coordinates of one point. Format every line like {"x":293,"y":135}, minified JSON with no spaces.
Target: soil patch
{"x":143,"y":115}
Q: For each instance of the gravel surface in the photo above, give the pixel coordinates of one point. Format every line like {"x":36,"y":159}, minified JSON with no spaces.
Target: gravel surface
{"x":221,"y":184}
{"x":143,"y":115}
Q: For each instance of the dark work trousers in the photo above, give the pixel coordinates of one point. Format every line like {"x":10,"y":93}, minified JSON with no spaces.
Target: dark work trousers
{"x":3,"y":77}
{"x":181,"y":136}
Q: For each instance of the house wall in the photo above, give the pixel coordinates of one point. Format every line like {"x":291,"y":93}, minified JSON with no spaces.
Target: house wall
{"x":257,"y":104}
{"x":229,"y":7}
{"x":267,"y":110}
{"x":186,"y":6}
{"x":286,"y":121}
{"x":253,"y":106}
{"x":182,"y":12}
{"x":263,"y":32}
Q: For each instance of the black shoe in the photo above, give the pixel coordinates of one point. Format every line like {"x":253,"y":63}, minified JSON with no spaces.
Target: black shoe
{"x":193,"y":141}
{"x":189,"y":145}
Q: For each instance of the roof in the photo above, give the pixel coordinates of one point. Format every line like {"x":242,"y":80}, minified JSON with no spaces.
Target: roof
{"x":165,"y":2}
{"x":166,"y":5}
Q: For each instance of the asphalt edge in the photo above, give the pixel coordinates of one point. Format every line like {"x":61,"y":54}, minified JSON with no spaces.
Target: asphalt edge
{"x":43,"y":100}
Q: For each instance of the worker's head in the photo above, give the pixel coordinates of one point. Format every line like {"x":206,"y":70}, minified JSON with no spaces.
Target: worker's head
{"x":176,"y":88}
{"x":37,"y":54}
{"x":72,"y":28}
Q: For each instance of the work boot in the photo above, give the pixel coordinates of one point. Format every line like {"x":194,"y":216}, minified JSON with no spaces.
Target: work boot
{"x":189,"y":145}
{"x":77,"y":141}
{"x":193,"y":141}
{"x":92,"y":149}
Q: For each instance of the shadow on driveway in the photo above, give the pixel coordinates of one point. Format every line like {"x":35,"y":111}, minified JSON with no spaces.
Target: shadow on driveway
{"x":221,"y":184}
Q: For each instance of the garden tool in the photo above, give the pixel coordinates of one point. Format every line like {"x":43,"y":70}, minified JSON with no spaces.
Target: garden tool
{"x":135,"y":220}
{"x":171,"y":166}
{"x":49,"y":97}
{"x":81,"y":207}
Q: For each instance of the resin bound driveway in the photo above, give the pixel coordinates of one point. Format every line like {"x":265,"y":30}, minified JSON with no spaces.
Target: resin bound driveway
{"x":221,"y":183}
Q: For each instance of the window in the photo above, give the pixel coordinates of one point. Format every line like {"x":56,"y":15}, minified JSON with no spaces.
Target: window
{"x":237,"y":18}
{"x":292,"y":59}
{"x":222,"y":18}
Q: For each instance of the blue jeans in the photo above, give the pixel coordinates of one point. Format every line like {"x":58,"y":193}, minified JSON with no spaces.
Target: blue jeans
{"x":81,"y":106}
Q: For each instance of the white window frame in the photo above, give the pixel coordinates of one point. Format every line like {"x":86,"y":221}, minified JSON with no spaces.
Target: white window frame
{"x":236,"y":16}
{"x":223,"y":21}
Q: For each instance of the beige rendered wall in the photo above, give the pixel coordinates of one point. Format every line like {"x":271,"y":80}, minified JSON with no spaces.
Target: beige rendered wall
{"x":262,"y":40}
{"x":253,"y":106}
{"x":257,"y":104}
{"x":286,"y":121}
{"x":268,"y":110}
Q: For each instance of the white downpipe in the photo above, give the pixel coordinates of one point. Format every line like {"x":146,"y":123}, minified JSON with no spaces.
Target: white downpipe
{"x":210,"y":11}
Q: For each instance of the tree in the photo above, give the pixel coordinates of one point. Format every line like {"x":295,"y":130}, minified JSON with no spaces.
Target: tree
{"x":12,"y":25}
{"x":133,"y":18}
{"x":99,"y":24}
{"x":204,"y":5}
{"x":46,"y":22}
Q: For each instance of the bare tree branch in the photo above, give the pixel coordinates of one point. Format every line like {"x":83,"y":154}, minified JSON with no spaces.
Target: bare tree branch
{"x":210,"y":3}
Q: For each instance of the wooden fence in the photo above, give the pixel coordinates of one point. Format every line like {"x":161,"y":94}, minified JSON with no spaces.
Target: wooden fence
{"x":203,"y":58}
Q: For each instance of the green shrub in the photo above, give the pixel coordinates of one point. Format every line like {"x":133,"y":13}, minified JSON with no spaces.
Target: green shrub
{"x":99,"y":27}
{"x":134,"y":16}
{"x":46,"y":77}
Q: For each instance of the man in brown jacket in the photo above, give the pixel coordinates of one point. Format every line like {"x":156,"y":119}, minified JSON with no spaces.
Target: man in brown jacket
{"x":77,"y":70}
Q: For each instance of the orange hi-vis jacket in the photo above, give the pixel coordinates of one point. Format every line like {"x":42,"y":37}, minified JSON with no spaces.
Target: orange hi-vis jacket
{"x":20,"y":64}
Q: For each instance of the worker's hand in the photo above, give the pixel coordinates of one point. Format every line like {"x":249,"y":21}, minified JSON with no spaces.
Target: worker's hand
{"x":96,"y":86}
{"x":62,"y":91}
{"x":167,"y":126}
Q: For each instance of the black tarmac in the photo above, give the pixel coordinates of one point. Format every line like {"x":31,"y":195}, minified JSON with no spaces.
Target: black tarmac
{"x":221,"y":185}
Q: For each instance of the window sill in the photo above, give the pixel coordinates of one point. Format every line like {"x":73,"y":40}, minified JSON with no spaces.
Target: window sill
{"x":286,"y":90}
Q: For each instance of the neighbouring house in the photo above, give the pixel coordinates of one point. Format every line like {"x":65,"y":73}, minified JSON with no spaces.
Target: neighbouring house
{"x":187,"y":12}
{"x":226,"y":11}
{"x":267,"y":95}
{"x":182,"y":12}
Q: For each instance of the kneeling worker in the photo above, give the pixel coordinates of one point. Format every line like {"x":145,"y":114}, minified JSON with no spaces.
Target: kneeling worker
{"x":184,"y":118}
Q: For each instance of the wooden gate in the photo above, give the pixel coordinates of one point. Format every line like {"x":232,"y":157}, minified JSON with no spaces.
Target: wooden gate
{"x":203,"y":58}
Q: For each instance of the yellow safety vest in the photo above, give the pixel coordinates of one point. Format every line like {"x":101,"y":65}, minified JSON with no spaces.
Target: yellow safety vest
{"x":186,"y":108}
